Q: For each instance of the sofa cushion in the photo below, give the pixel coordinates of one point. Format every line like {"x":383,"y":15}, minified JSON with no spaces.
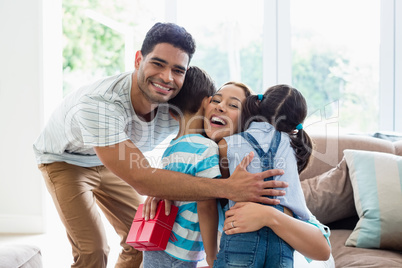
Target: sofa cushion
{"x":361,"y":257}
{"x":329,"y":196}
{"x":377,"y":188}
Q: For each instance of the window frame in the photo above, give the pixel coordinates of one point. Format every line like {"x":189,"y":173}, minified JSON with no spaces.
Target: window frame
{"x":391,"y":66}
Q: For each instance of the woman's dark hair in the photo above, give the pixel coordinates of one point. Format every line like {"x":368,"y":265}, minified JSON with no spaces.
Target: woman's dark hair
{"x":246,"y":89}
{"x":284,"y":107}
{"x":169,"y":33}
{"x":197,"y":85}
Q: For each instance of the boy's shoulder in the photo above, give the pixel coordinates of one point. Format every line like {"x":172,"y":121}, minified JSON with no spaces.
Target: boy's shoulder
{"x":195,"y":140}
{"x":199,"y":138}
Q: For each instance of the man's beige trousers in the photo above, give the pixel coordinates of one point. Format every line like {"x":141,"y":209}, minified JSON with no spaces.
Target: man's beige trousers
{"x":76,"y":192}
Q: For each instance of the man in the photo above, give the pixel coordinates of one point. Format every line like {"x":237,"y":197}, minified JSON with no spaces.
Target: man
{"x":90,"y":152}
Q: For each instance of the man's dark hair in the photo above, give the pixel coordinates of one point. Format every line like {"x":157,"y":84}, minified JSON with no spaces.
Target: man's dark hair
{"x":169,"y":33}
{"x":197,"y":85}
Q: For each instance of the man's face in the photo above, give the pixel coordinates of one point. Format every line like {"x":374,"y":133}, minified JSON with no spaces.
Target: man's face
{"x":161,"y":73}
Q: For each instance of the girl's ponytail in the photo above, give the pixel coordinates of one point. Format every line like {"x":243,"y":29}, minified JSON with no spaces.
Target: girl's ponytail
{"x":303,"y":146}
{"x":251,"y":110}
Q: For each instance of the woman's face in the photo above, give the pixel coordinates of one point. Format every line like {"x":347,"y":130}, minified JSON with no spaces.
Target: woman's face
{"x":222,"y":113}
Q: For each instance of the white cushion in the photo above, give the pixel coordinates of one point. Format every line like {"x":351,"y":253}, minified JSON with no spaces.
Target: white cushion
{"x":22,"y":256}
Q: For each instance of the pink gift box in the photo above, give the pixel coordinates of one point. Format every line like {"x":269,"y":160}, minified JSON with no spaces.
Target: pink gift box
{"x":152,"y":234}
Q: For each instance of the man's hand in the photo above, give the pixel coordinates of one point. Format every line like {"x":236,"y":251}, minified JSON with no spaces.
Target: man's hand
{"x":245,"y":186}
{"x":150,"y":206}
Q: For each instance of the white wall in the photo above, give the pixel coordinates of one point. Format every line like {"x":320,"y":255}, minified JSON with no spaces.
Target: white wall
{"x":22,"y":111}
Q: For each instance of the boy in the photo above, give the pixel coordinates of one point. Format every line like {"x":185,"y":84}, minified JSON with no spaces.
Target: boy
{"x":191,"y":153}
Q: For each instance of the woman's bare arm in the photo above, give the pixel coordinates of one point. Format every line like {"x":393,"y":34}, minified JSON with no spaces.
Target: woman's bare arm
{"x":303,"y":237}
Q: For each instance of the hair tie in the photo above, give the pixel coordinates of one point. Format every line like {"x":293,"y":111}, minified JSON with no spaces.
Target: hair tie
{"x":260,"y":97}
{"x":299,"y":126}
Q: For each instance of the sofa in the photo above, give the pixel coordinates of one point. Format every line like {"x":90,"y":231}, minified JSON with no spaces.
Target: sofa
{"x":352,"y":186}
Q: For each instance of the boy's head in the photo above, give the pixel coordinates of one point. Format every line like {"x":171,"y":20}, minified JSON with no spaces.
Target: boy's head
{"x":169,"y":33}
{"x":196,"y":87}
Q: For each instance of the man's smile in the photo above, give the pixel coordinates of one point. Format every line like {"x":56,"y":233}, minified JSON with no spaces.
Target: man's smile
{"x":161,"y":88}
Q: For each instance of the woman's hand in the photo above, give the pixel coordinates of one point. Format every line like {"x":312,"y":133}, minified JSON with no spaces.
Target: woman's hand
{"x":245,"y":217}
{"x":150,"y":206}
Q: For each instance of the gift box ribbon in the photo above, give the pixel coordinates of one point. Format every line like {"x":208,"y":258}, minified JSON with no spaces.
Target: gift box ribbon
{"x":162,"y":224}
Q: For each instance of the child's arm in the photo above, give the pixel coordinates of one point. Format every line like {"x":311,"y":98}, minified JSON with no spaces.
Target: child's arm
{"x":223,"y":158}
{"x":208,"y":219}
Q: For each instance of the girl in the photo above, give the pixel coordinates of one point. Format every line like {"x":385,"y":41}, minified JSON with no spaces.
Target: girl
{"x":273,"y":123}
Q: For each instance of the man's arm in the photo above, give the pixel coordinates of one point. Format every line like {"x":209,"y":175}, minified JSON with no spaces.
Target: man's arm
{"x":127,"y":162}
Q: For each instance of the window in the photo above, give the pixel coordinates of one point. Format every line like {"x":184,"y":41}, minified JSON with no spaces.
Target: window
{"x":335,"y":60}
{"x":101,"y":37}
{"x":228,"y":34}
{"x":330,"y":50}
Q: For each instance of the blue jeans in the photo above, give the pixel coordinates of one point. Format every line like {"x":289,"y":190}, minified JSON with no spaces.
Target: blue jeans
{"x":262,"y":248}
{"x":160,"y":259}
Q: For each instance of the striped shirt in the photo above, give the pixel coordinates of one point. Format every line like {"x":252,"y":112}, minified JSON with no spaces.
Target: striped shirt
{"x":99,"y":114}
{"x":198,"y":156}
